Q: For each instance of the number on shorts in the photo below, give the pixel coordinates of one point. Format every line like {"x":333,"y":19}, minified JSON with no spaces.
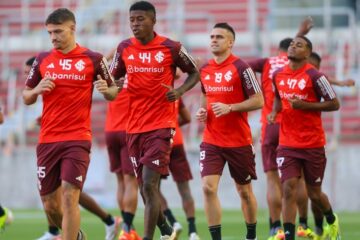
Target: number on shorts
{"x":133,"y":161}
{"x":41,"y":172}
{"x":280,"y":161}
{"x":202,"y":155}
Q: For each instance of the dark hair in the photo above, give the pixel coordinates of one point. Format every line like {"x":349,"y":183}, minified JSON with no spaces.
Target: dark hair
{"x":226,"y":26}
{"x":59,"y":16}
{"x":30,"y":61}
{"x":308,"y":42}
{"x":315,"y":56}
{"x":143,"y":6}
{"x":285,"y":43}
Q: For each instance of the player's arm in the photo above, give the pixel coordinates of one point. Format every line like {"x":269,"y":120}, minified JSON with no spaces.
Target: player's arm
{"x":201,"y":113}
{"x":277,"y":106}
{"x":344,"y":83}
{"x":1,"y":116}
{"x":105,"y":83}
{"x":305,"y":26}
{"x":184,"y":114}
{"x":323,"y":90}
{"x":30,"y":95}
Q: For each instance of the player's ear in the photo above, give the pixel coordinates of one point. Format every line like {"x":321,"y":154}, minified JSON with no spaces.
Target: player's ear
{"x":73,"y":27}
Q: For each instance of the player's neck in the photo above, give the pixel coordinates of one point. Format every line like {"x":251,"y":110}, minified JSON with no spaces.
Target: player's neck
{"x":68,"y":48}
{"x":221,"y":57}
{"x":147,"y":39}
{"x":295,"y":65}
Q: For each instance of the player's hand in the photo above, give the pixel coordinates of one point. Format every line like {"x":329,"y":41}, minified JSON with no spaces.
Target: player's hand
{"x":220,"y":109}
{"x":120,"y":83}
{"x":46,"y":85}
{"x":296,"y":103}
{"x":101,"y":85}
{"x":271,"y":117}
{"x":347,"y":83}
{"x":201,"y":115}
{"x":305,"y":26}
{"x":172,"y":95}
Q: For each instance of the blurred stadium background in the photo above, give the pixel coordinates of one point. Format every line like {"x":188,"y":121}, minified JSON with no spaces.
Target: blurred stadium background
{"x":102,"y":24}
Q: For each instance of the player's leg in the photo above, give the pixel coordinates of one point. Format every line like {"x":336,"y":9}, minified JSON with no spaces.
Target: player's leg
{"x":71,"y":212}
{"x":152,"y":215}
{"x":318,"y":219}
{"x":130,"y":200}
{"x":303,"y":229}
{"x":270,"y":141}
{"x":74,"y":166}
{"x":314,"y":168}
{"x":212,"y":205}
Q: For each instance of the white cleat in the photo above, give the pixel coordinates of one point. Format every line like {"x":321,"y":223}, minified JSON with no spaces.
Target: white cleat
{"x":49,"y":236}
{"x":177,"y":228}
{"x":112,"y":230}
{"x":194,"y":236}
{"x":172,"y":237}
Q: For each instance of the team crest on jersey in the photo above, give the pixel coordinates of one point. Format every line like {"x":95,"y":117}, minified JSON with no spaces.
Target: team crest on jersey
{"x":228,"y":76}
{"x":80,"y":65}
{"x":159,"y":57}
{"x":302,"y":84}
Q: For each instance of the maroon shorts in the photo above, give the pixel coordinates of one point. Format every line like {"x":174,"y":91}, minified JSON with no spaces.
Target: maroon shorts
{"x":269,"y":144}
{"x":62,"y":161}
{"x":179,"y":165}
{"x":151,"y":149}
{"x":312,"y":161}
{"x":118,"y":153}
{"x":241,"y":161}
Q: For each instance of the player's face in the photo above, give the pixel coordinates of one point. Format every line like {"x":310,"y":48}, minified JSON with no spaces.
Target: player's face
{"x":27,"y":69}
{"x":61,"y":35}
{"x":221,"y":41}
{"x":298,"y":49}
{"x":142,"y":24}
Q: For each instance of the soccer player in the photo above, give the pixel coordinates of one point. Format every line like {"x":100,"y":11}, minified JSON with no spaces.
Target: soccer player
{"x":120,"y":164}
{"x":85,"y":200}
{"x":181,"y":173}
{"x":6,"y":216}
{"x":65,"y":77}
{"x":150,"y":62}
{"x":315,"y":60}
{"x":300,"y":87}
{"x":230,"y":91}
{"x":270,"y":139}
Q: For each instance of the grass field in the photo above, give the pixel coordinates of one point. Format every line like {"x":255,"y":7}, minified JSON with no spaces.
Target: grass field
{"x":30,"y":224}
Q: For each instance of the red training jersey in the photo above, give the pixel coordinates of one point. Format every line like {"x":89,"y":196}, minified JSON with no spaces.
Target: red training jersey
{"x":267,"y":67}
{"x":66,"y":109}
{"x":178,"y":138}
{"x":229,"y":82}
{"x":299,"y":128}
{"x":117,"y":111}
{"x":148,"y":67}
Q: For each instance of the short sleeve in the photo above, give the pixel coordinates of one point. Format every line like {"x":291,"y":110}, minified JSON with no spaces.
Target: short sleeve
{"x":34,"y":76}
{"x":323,"y":88}
{"x":104,"y":71}
{"x":183,"y":60}
{"x":248,"y":80}
{"x":117,"y":67}
{"x":257,"y":65}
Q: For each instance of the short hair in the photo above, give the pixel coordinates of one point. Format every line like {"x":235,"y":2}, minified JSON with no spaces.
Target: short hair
{"x":59,"y":16}
{"x":143,"y":6}
{"x":226,"y":26}
{"x":30,"y":61}
{"x":285,"y":43}
{"x":315,"y":56}
{"x":308,"y":42}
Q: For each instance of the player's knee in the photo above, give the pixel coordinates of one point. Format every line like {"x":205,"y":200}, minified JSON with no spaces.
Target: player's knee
{"x":209,"y":189}
{"x":289,"y":191}
{"x":149,"y":188}
{"x":52,"y":207}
